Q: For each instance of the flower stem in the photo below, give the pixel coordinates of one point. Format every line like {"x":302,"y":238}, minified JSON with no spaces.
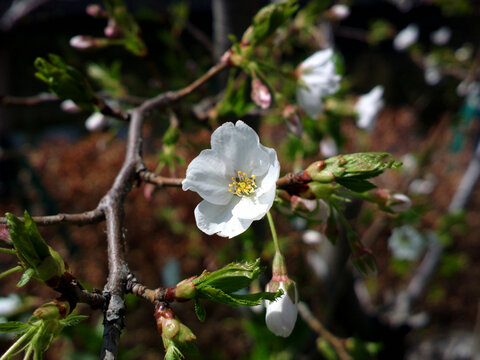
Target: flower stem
{"x":274,"y":232}
{"x":7,"y":251}
{"x":16,"y":344}
{"x":10,"y":271}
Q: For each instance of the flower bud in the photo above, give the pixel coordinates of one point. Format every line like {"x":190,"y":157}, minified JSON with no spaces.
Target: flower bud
{"x":54,"y":310}
{"x":4,"y":235}
{"x":400,"y":203}
{"x":97,"y":122}
{"x":260,"y":94}
{"x":69,"y":106}
{"x":96,"y":11}
{"x":282,"y":313}
{"x":183,"y":291}
{"x":82,"y":42}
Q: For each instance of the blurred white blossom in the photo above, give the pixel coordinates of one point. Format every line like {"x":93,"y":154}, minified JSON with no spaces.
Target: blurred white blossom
{"x":9,"y":304}
{"x":406,"y":37}
{"x":328,"y":147}
{"x":441,"y":36}
{"x":368,"y":106}
{"x":317,"y":79}
{"x":406,"y":243}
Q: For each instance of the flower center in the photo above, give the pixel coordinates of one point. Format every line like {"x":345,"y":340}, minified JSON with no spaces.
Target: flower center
{"x":242,"y":184}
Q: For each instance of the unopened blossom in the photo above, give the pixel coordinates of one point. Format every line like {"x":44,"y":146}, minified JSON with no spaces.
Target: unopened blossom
{"x":281,"y":313}
{"x":368,"y":106}
{"x":236,"y":179}
{"x":260,"y":94}
{"x":441,"y":36}
{"x":406,"y":37}
{"x":69,"y":106}
{"x":317,"y":79}
{"x":97,"y":122}
{"x":400,"y":203}
{"x":82,"y":42}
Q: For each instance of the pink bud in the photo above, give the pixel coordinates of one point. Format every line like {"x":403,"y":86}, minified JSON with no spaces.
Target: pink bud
{"x":112,"y":30}
{"x":148,"y":191}
{"x":70,"y":107}
{"x":260,"y":94}
{"x":82,"y":42}
{"x":96,"y":11}
{"x":4,"y":235}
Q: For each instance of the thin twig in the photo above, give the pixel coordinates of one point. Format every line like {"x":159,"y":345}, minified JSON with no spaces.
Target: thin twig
{"x":87,"y":217}
{"x":317,"y":326}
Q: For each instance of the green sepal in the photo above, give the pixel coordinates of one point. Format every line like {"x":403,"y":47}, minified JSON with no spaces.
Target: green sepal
{"x":73,"y":320}
{"x":65,"y":81}
{"x":200,"y":310}
{"x":12,"y":326}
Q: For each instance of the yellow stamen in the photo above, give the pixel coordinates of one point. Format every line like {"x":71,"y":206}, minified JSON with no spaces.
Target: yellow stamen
{"x":243,"y":185}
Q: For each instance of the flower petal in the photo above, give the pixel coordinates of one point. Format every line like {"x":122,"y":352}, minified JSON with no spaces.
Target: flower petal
{"x":218,"y":219}
{"x":240,"y":146}
{"x":209,"y":176}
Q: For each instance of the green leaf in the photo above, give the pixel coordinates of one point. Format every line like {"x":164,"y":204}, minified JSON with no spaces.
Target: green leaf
{"x":65,"y":81}
{"x":268,"y":20}
{"x":26,"y":276}
{"x":232,"y":277}
{"x":200,"y":310}
{"x":234,"y":300}
{"x":354,"y":184}
{"x":73,"y":320}
{"x":12,"y":326}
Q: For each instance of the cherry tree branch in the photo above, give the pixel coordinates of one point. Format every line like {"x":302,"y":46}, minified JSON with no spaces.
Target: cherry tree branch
{"x":87,"y":217}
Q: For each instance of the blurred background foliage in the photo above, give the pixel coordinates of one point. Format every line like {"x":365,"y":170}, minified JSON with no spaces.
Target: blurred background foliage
{"x":50,"y":163}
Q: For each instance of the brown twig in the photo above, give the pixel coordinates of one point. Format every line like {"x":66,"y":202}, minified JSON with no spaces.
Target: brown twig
{"x":87,"y":217}
{"x":30,"y":100}
{"x":159,"y":181}
{"x":317,"y":326}
{"x":141,"y":290}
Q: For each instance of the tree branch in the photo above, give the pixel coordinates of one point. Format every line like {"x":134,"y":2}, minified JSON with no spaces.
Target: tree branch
{"x":87,"y":217}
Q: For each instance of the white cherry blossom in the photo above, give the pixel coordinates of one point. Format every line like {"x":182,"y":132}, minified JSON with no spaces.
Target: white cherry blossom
{"x":368,"y":106}
{"x":441,"y":36}
{"x":318,"y":78}
{"x":236,"y":179}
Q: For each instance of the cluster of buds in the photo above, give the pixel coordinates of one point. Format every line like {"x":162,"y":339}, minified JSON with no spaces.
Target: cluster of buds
{"x":174,"y":333}
{"x":282,"y":313}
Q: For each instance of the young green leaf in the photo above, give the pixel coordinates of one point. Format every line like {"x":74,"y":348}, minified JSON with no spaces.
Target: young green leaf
{"x":200,"y":310}
{"x":73,"y":320}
